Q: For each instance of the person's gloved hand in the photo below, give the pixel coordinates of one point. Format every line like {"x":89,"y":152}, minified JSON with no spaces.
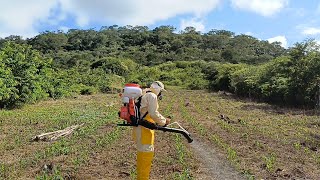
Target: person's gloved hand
{"x":167,"y":121}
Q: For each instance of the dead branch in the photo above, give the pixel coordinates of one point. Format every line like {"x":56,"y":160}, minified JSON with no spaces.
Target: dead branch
{"x":52,"y":136}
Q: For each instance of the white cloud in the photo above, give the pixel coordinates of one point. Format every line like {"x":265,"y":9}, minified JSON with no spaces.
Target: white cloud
{"x":249,"y":33}
{"x":138,"y":12}
{"x":64,"y":28}
{"x":311,"y":31}
{"x":262,"y":7}
{"x":19,"y":17}
{"x":281,"y":39}
{"x":198,"y":24}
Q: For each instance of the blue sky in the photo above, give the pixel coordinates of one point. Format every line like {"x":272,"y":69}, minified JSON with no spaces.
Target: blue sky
{"x":287,"y":21}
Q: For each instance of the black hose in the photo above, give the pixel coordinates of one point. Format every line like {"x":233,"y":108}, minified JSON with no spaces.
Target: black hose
{"x":185,"y":134}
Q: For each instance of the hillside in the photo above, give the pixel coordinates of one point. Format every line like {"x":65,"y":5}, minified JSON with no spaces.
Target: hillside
{"x":57,"y":64}
{"x":248,"y":140}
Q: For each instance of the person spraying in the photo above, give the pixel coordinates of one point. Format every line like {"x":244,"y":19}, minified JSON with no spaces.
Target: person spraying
{"x":140,"y":110}
{"x":144,"y":137}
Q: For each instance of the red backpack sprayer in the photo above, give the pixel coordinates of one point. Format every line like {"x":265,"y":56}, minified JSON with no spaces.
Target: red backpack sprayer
{"x":130,"y":112}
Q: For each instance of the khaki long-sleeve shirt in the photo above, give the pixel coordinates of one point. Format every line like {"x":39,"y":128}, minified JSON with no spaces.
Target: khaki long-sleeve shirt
{"x":149,"y":103}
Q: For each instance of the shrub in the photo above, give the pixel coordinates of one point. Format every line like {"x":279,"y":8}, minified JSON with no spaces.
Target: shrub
{"x":23,"y":75}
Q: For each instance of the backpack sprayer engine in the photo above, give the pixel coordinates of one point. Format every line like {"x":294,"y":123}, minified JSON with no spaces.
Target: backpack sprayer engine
{"x":130,"y":112}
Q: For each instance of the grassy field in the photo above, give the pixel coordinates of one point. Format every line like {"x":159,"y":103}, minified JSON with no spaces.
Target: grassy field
{"x":99,"y":149}
{"x":259,"y":140}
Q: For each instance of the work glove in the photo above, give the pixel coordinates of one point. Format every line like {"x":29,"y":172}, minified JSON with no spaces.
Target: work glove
{"x":167,"y":122}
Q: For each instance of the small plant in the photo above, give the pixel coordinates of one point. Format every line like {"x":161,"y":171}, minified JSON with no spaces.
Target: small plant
{"x":245,"y":136}
{"x":249,"y":175}
{"x":54,"y":175}
{"x":77,"y":162}
{"x":232,"y":154}
{"x":23,"y":163}
{"x":184,"y":175}
{"x":258,"y":144}
{"x":58,"y":148}
{"x":297,"y":145}
{"x":226,"y":126}
{"x":317,"y":157}
{"x":270,"y":161}
{"x":217,"y":140}
{"x":17,"y":141}
{"x":108,"y":138}
{"x":3,"y":171}
{"x":133,"y":174}
{"x":242,"y":122}
{"x":181,"y":149}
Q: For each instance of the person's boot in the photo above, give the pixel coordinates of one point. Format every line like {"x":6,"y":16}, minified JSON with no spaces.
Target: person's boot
{"x":144,"y":161}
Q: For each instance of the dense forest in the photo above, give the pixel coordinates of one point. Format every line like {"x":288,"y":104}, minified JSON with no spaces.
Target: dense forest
{"x":63,"y":64}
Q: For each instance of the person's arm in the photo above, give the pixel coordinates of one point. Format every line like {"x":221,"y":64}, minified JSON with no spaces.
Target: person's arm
{"x":153,"y":110}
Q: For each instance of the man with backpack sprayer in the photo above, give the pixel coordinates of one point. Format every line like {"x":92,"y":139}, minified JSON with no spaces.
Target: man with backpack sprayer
{"x":143,"y":136}
{"x":141,"y":112}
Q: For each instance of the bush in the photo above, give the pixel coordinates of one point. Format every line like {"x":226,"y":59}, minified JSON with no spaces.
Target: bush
{"x":222,"y":78}
{"x":23,"y":74}
{"x":244,"y":81}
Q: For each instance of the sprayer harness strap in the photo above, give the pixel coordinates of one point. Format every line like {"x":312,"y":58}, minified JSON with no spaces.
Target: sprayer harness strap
{"x":139,"y":105}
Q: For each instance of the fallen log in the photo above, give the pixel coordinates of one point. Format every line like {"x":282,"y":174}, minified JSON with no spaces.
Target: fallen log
{"x":52,"y":136}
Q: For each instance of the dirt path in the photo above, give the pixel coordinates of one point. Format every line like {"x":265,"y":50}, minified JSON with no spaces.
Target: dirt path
{"x":213,"y":166}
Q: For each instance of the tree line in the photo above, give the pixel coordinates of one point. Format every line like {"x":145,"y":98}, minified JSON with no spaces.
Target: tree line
{"x":61,"y":64}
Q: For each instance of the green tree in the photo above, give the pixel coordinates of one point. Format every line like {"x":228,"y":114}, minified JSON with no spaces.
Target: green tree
{"x":24,"y":75}
{"x":49,"y":41}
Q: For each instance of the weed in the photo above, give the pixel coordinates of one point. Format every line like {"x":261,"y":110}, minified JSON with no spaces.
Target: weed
{"x":77,"y":161}
{"x":232,"y":154}
{"x":297,"y":145}
{"x":242,"y":122}
{"x":133,"y":174}
{"x":17,"y":141}
{"x":38,"y":155}
{"x":182,"y":152}
{"x":217,"y":140}
{"x":3,"y":171}
{"x":23,"y":163}
{"x":54,"y":175}
{"x":317,"y":158}
{"x":186,"y":115}
{"x":108,"y":138}
{"x":248,"y":175}
{"x":245,"y":136}
{"x":9,"y":146}
{"x":202,"y":130}
{"x":58,"y":148}
{"x":183,"y":176}
{"x":307,"y":150}
{"x":270,"y":161}
{"x":258,"y":144}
